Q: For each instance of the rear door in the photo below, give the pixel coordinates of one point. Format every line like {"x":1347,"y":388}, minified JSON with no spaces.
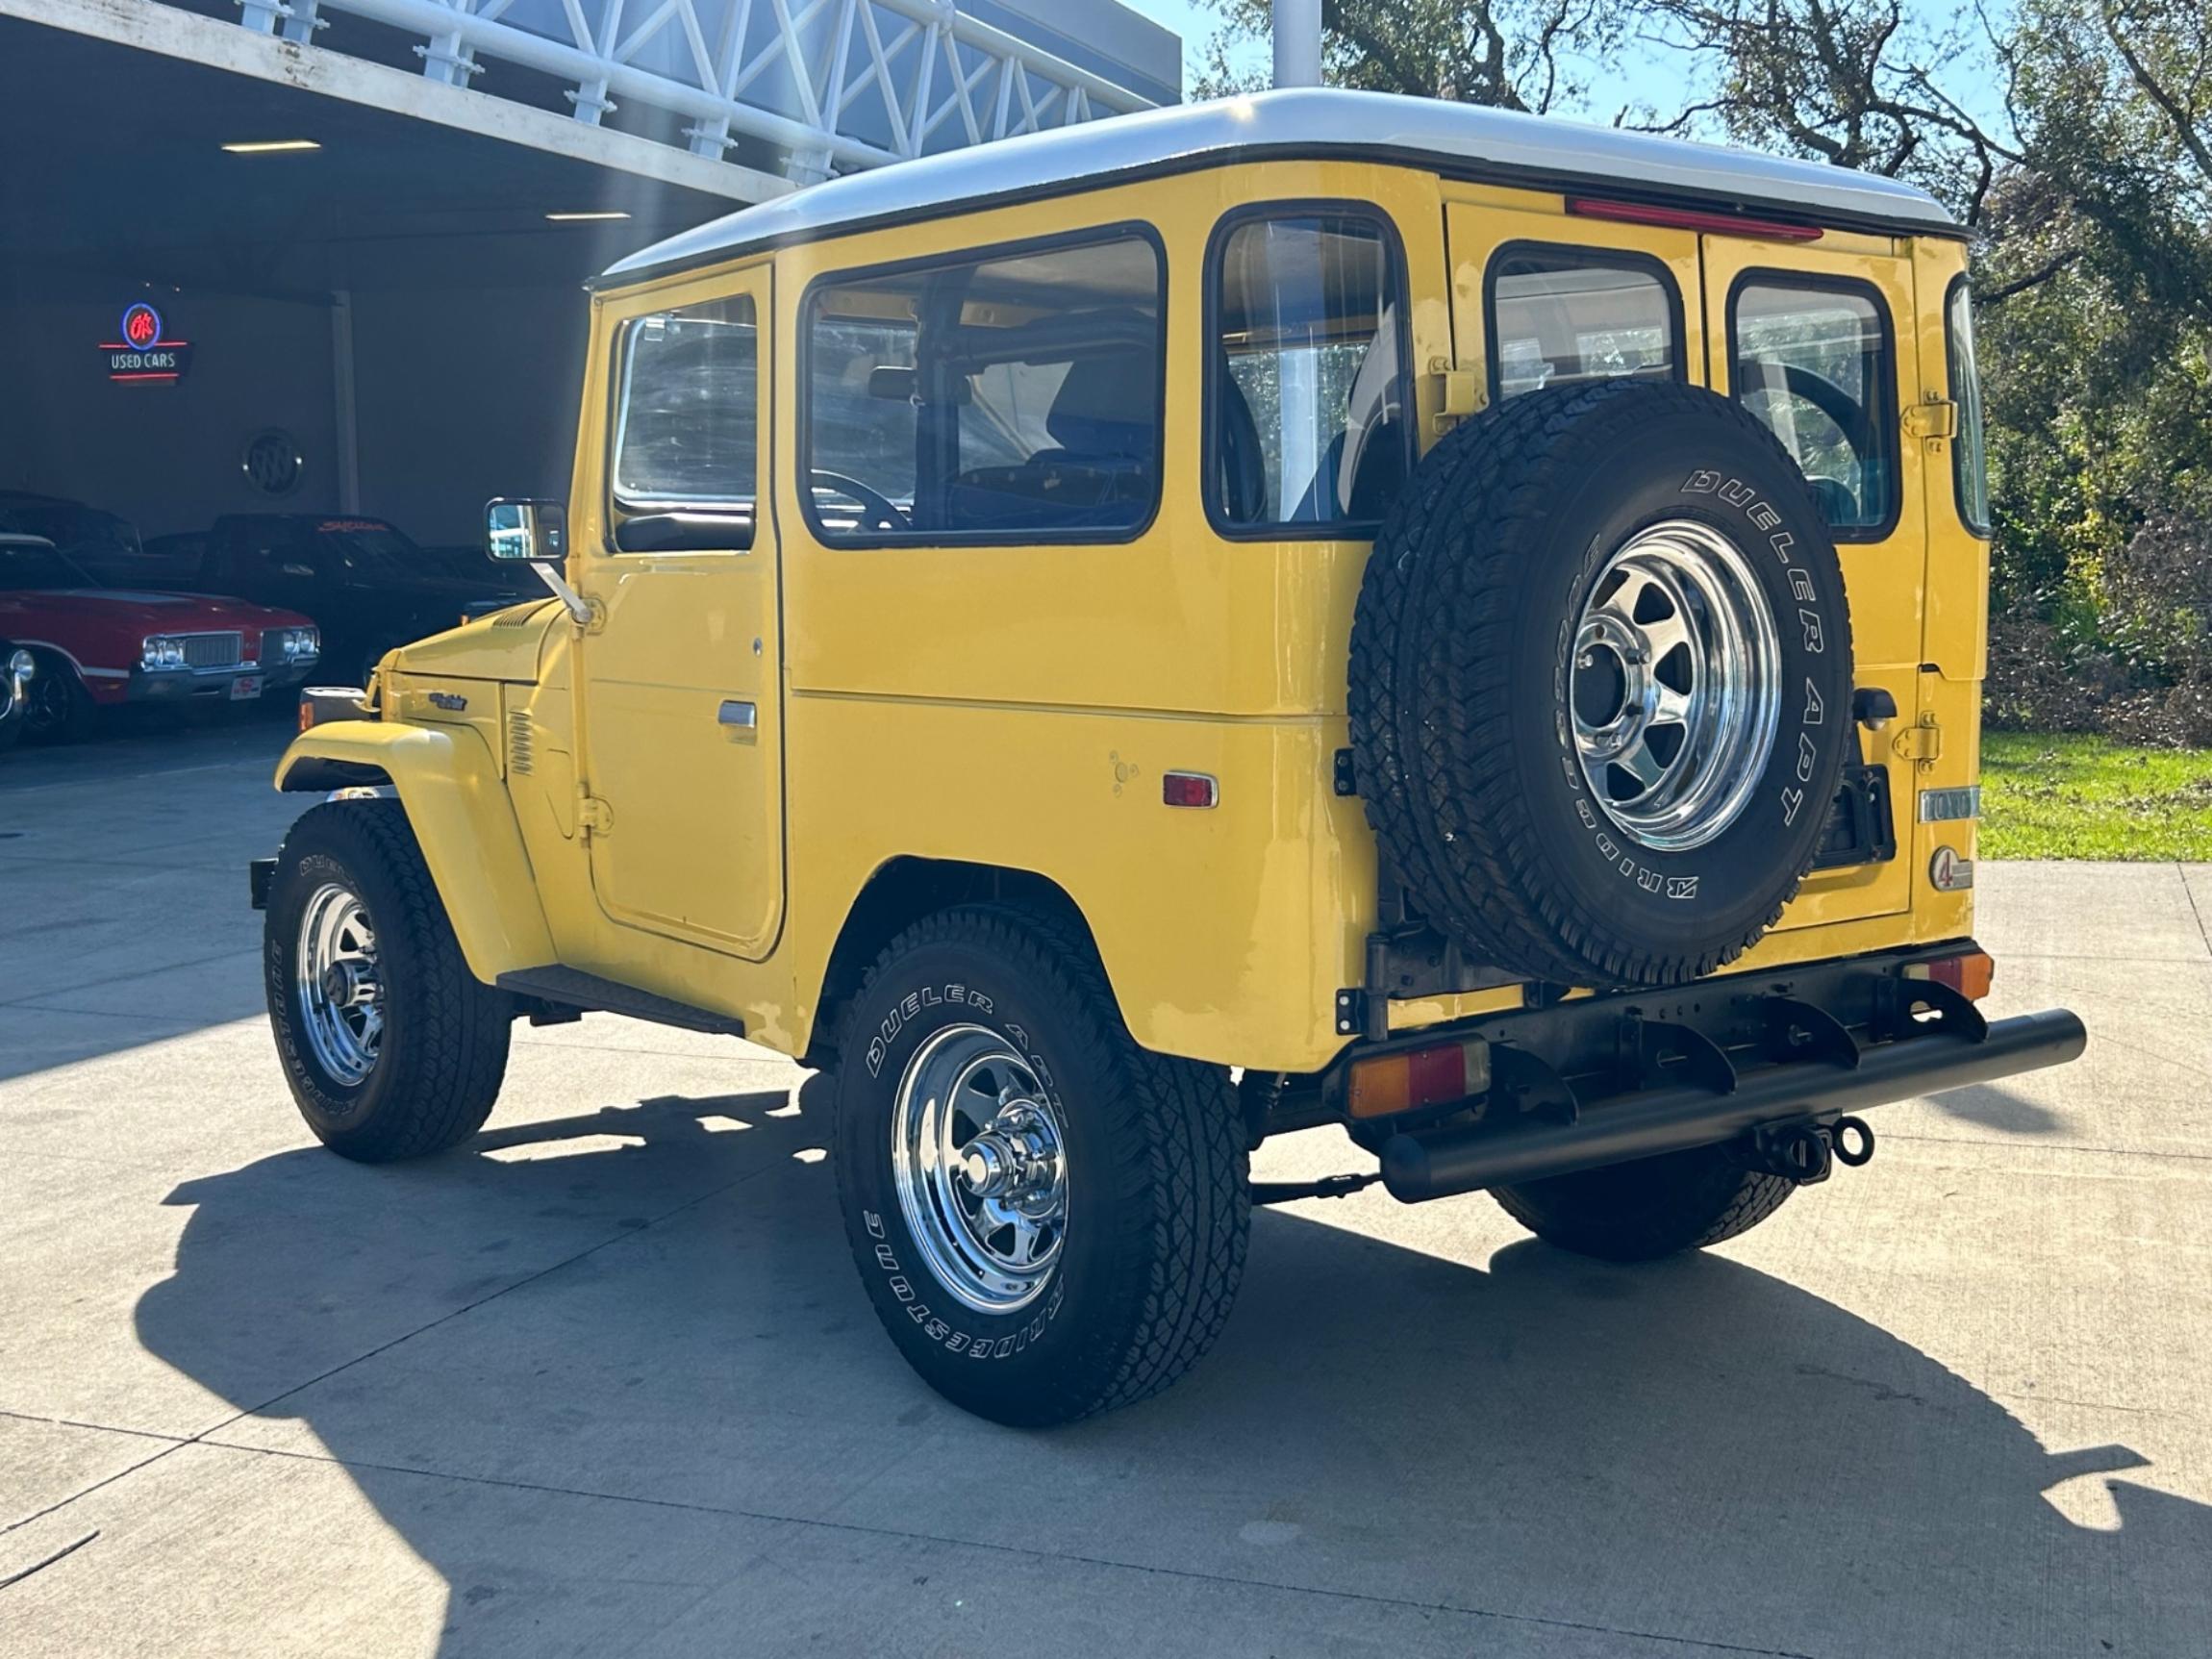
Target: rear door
{"x":1820,"y":343}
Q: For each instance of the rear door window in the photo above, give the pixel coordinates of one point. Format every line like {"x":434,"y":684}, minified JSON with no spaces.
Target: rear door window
{"x":1567,"y":315}
{"x":1812,"y":360}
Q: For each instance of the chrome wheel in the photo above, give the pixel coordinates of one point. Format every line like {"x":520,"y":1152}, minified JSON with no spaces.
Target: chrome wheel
{"x":979,"y":1160}
{"x":1676,"y":684}
{"x":338,"y":985}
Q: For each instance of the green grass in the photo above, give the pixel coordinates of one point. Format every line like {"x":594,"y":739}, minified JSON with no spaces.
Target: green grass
{"x":2053,"y":796}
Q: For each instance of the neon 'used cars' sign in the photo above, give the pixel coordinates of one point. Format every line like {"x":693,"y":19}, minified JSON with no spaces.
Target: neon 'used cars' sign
{"x":144,"y":356}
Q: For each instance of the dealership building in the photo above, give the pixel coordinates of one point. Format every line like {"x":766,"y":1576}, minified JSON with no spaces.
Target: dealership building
{"x":326,"y":256}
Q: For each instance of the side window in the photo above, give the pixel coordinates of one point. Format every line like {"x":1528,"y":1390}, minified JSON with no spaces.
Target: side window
{"x":1008,"y":397}
{"x":1307,"y":423}
{"x":1812,"y":361}
{"x":687,"y":415}
{"x":1970,"y":450}
{"x":1559,"y":317}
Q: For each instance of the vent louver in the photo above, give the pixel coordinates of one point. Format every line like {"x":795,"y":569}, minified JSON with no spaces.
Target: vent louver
{"x":520,"y":739}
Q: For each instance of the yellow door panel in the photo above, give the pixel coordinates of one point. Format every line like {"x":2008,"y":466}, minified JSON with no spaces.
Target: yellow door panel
{"x":1883,"y":574}
{"x":681,"y":793}
{"x":1783,"y":320}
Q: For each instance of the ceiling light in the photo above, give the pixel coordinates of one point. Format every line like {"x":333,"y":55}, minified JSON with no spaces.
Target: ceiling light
{"x":583,"y":219}
{"x":271,"y":146}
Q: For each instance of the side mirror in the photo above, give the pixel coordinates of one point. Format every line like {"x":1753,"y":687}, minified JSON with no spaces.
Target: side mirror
{"x":535,"y":531}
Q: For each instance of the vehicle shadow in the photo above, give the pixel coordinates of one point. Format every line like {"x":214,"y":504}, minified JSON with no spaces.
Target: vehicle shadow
{"x":1694,"y":1451}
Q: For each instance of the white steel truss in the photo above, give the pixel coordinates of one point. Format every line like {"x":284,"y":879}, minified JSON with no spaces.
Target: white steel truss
{"x":839,"y":83}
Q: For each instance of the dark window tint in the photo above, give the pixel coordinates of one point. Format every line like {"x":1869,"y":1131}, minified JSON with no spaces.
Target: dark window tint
{"x":687,"y":411}
{"x":1813,"y":364}
{"x":1309,"y":423}
{"x":1970,"y":451}
{"x":1015,"y":397}
{"x":1558,"y":317}
{"x":37,"y":567}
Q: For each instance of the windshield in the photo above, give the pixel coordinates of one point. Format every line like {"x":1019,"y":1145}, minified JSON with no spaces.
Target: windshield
{"x":32,"y":567}
{"x":368,"y":551}
{"x":71,"y":526}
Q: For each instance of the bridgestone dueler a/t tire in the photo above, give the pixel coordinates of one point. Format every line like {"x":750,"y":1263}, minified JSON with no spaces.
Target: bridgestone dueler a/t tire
{"x":1159,"y":1203}
{"x":1464,"y":754}
{"x":445,"y":1044}
{"x":1650,"y":1208}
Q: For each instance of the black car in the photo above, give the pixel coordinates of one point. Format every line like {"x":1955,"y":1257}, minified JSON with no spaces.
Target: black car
{"x":90,"y":536}
{"x":365,"y":585}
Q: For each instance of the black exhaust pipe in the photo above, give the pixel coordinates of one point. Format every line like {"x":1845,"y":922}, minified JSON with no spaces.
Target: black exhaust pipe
{"x":1437,"y":1166}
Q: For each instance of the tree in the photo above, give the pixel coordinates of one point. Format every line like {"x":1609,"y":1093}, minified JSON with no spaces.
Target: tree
{"x":1856,"y":83}
{"x":1532,"y":54}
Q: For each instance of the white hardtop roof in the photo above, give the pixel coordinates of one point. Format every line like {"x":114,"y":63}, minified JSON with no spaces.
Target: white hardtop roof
{"x":1320,"y":122}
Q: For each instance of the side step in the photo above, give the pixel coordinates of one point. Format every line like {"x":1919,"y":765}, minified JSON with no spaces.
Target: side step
{"x":587,"y":992}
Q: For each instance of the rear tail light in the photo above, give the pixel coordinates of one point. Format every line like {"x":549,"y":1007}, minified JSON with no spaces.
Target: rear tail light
{"x":1969,"y":975}
{"x":1392,"y":1083}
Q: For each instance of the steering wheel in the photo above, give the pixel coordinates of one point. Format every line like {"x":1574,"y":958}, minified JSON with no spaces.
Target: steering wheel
{"x":1851,"y":416}
{"x":882,"y":512}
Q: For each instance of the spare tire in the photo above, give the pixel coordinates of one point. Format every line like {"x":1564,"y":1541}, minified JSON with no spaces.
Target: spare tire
{"x":1601,"y":683}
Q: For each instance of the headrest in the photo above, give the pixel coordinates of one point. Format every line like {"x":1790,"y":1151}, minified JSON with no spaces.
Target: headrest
{"x":1108,"y":405}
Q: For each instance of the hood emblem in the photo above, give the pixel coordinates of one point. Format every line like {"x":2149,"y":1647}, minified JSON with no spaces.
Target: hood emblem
{"x":452,"y":702}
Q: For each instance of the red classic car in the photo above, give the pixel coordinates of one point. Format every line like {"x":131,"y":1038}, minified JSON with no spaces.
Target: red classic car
{"x":98,"y":646}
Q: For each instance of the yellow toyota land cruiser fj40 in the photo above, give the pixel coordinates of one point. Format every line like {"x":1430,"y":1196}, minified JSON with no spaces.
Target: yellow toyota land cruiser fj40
{"x":1315,"y":609}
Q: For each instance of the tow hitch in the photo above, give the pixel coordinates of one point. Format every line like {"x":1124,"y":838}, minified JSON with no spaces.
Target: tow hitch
{"x":1807,"y":1152}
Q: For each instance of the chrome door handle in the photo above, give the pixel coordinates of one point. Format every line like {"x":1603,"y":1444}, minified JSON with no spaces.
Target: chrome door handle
{"x":742,"y":715}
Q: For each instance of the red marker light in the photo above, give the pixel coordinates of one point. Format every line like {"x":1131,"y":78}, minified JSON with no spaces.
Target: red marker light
{"x":1189,"y":790}
{"x":1690,"y":219}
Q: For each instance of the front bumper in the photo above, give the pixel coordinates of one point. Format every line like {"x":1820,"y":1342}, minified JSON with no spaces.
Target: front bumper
{"x":1608,"y":1079}
{"x":214,"y":684}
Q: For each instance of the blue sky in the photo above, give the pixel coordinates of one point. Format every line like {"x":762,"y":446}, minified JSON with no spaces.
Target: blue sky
{"x":1643,"y":75}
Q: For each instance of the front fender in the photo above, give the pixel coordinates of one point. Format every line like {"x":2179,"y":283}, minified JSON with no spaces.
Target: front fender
{"x":451,"y":785}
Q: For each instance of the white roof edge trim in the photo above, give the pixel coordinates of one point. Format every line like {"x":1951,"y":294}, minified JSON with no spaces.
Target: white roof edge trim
{"x":1316,"y":117}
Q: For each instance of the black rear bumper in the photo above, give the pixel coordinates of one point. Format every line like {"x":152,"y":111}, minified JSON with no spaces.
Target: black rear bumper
{"x":1608,"y":1079}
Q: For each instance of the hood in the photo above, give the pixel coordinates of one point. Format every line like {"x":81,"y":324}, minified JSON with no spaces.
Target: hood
{"x":503,"y":646}
{"x":158,"y":610}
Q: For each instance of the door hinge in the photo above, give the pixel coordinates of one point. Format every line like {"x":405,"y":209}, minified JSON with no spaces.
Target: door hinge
{"x":1921,"y":744}
{"x":595,"y":814}
{"x":1932,"y":417}
{"x":1459,"y":394}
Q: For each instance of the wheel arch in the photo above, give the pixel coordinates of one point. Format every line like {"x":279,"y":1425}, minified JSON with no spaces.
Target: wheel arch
{"x":899,"y":892}
{"x":448,"y":783}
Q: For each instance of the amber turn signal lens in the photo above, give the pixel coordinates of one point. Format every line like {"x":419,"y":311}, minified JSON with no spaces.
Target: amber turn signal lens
{"x":1393,"y":1083}
{"x":1970,"y":975}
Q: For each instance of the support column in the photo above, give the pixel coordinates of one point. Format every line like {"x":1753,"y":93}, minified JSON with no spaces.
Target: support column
{"x":347,"y":410}
{"x":1297,"y":43}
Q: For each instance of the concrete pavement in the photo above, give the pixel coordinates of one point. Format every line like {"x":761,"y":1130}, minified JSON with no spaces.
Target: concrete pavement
{"x":604,"y":1382}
